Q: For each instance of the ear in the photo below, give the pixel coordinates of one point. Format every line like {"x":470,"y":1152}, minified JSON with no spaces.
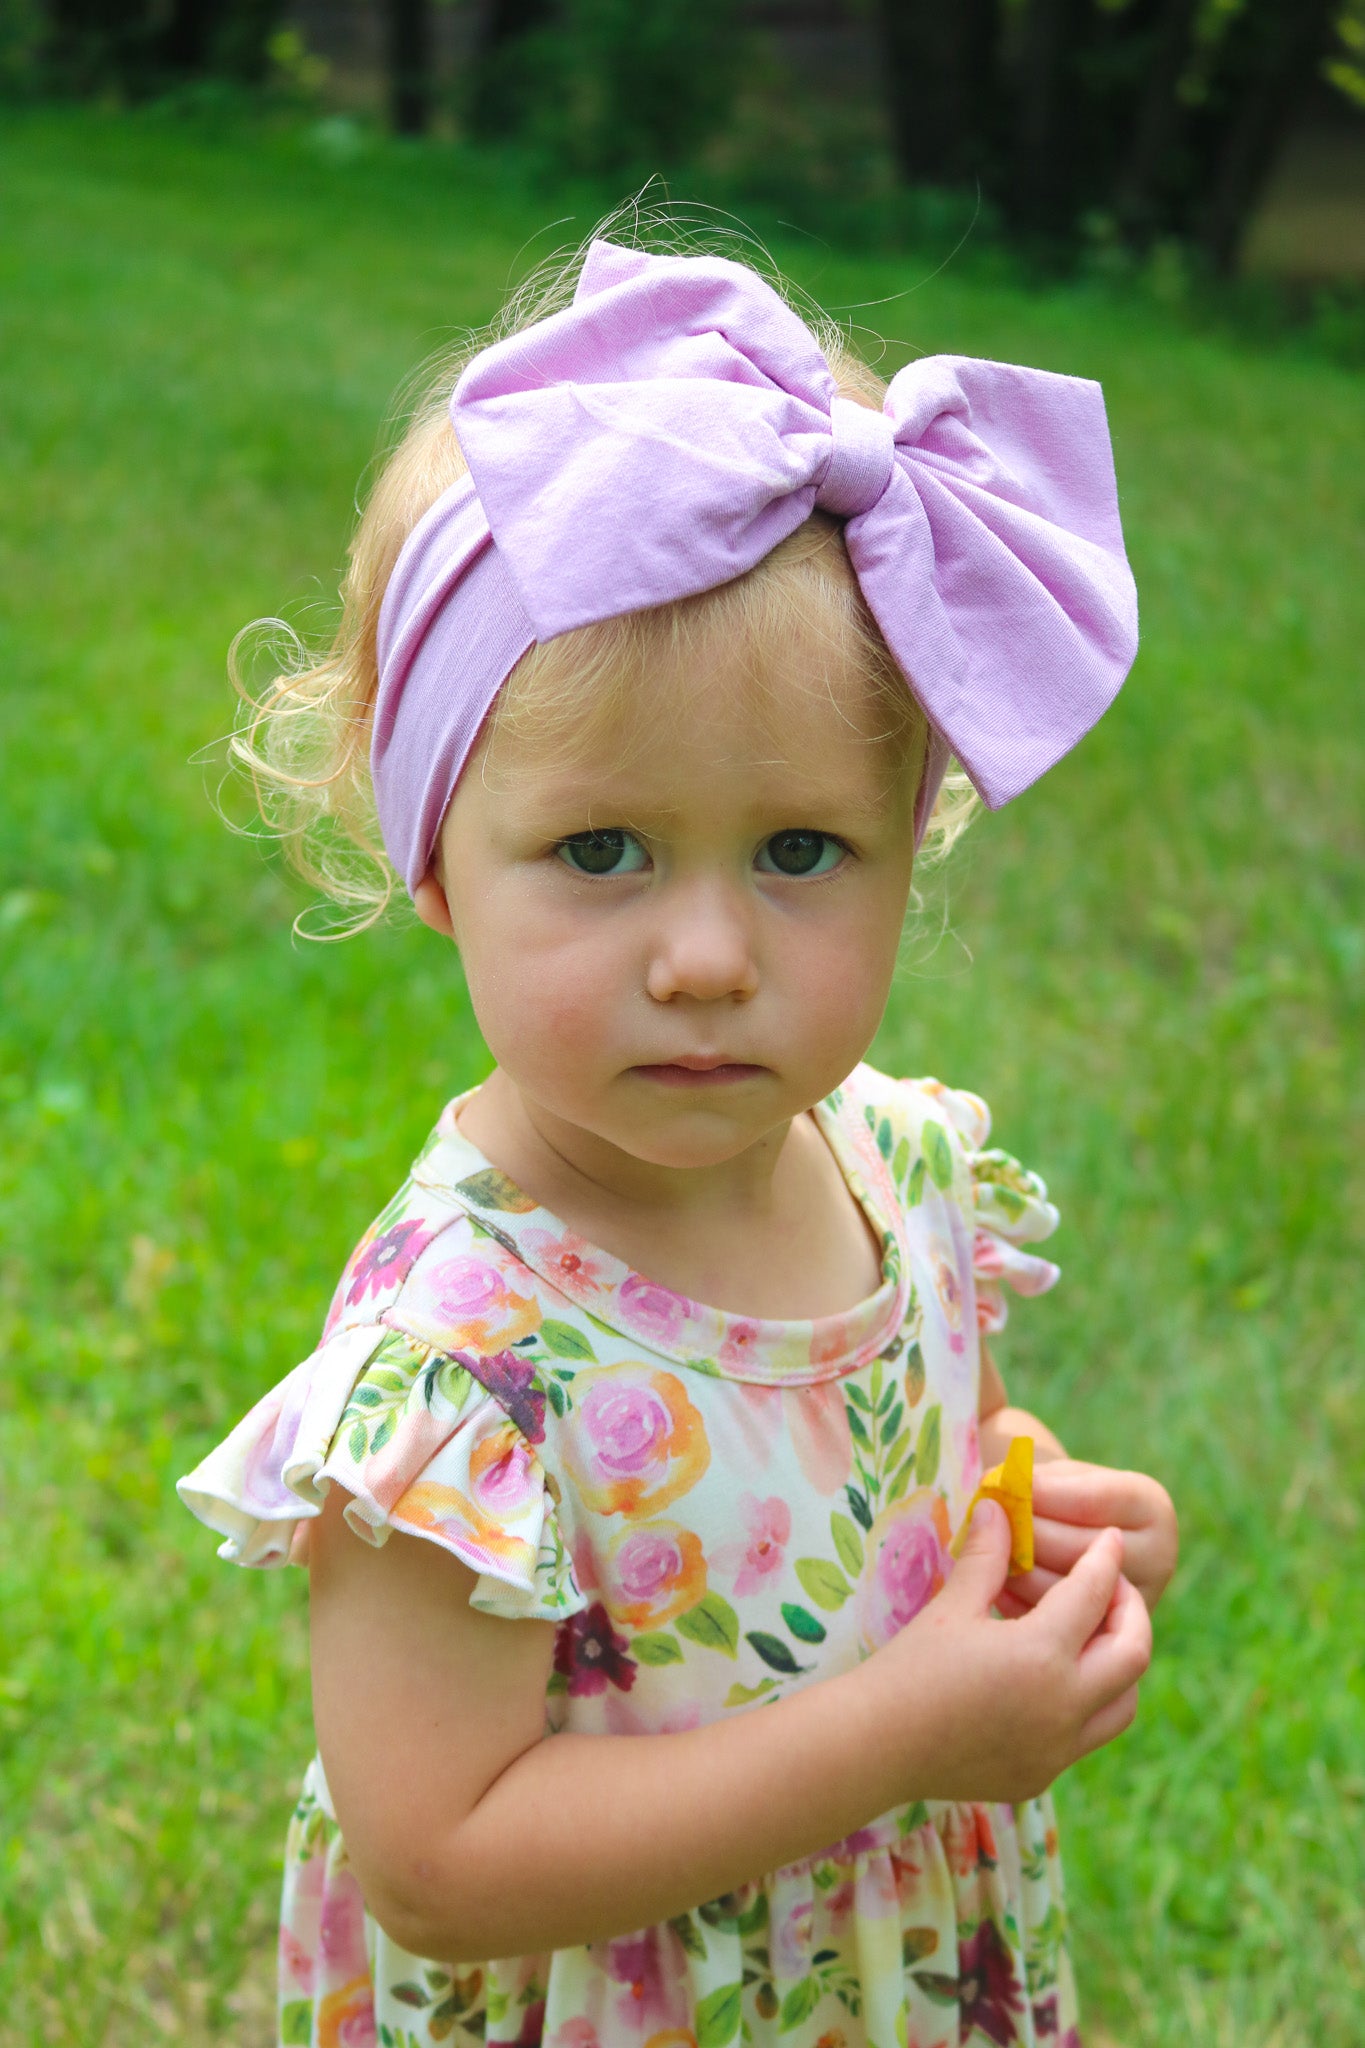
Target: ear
{"x":429,"y":901}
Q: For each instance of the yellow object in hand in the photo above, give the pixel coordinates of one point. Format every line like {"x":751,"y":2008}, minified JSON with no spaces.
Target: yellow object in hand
{"x":1012,"y":1485}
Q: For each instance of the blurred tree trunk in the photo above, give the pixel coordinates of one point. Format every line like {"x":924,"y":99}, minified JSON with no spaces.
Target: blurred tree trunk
{"x":1042,"y":190}
{"x":1158,"y":120}
{"x":409,"y":51}
{"x":494,"y":102}
{"x":1277,"y":54}
{"x":942,"y":90}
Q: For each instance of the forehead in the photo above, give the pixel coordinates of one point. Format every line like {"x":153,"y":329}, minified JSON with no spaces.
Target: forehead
{"x":707,"y":717}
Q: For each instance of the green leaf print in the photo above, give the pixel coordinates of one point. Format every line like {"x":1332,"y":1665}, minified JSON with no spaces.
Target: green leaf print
{"x":858,"y":1397}
{"x":296,"y":2023}
{"x":943,"y":1990}
{"x":564,"y":1340}
{"x":718,"y":2016}
{"x":825,"y":1583}
{"x":901,"y":1163}
{"x":914,"y":1375}
{"x":656,"y":1648}
{"x":367,"y":1397}
{"x":914,"y":1187}
{"x":775,"y":1652}
{"x":493,"y":1190}
{"x":410,"y":1994}
{"x":357,"y":1442}
{"x":930,"y":1448}
{"x":916,"y":1944}
{"x":848,"y":1543}
{"x":744,"y":1695}
{"x":799,"y":2003}
{"x":755,"y":1914}
{"x":690,"y":1935}
{"x":556,"y":1395}
{"x":383,"y":1433}
{"x":898,"y":1450}
{"x":858,"y":1502}
{"x":713,"y":1623}
{"x":858,"y":1428}
{"x":938,"y":1154}
{"x":893,"y":1422}
{"x":884,"y":1137}
{"x":803,"y":1625}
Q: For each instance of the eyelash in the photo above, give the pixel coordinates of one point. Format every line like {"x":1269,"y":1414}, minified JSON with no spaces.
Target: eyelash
{"x":624,"y":837}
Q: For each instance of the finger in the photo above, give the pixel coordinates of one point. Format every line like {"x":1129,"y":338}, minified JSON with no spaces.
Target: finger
{"x":1109,"y":1721}
{"x":981,"y":1569}
{"x":1031,"y":1586}
{"x":1077,"y":1604}
{"x":1120,"y":1650}
{"x":1057,"y":1546}
{"x":1095,"y":1496}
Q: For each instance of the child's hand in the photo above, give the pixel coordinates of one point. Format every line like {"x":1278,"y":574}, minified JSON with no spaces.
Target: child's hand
{"x":996,"y":1710}
{"x":1071,"y":1501}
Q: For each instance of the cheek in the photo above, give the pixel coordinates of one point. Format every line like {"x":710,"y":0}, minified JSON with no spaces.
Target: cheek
{"x":541,"y":990}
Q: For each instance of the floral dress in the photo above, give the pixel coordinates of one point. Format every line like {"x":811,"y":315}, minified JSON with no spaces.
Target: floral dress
{"x":713,"y":1510}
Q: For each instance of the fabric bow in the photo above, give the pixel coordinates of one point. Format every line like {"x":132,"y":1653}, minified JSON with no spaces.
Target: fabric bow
{"x":666,"y":431}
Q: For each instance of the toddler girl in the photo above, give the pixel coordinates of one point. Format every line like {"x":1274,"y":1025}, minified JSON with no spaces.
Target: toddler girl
{"x":658,"y":638}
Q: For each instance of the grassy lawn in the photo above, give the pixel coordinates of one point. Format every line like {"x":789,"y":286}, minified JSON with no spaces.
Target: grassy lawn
{"x":1155,"y":971}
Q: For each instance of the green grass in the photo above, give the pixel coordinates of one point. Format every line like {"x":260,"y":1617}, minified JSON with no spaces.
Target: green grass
{"x":1156,"y":972}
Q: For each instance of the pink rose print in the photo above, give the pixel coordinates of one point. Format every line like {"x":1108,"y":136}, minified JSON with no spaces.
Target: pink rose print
{"x":636,"y":1442}
{"x":817,"y":1423}
{"x":948,"y":1288}
{"x":341,"y":1937}
{"x":791,"y":1940}
{"x":907,"y":1551}
{"x":762,"y":1553}
{"x":656,"y":1570}
{"x":475,"y":1303}
{"x":575,"y":2033}
{"x":741,"y":1346}
{"x":295,"y":1963}
{"x":651,"y":1311}
{"x":577,"y":1268}
{"x":652,"y":1968}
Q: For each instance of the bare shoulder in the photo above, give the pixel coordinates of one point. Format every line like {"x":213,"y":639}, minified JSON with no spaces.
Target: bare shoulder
{"x":420,"y":1701}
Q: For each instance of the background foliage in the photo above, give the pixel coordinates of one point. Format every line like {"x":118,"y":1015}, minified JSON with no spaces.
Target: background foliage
{"x":1155,"y":970}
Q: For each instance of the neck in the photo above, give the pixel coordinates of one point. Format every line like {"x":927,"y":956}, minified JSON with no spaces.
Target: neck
{"x":573,"y":1172}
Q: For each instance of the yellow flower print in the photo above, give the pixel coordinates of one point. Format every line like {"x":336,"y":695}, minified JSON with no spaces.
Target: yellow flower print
{"x":445,"y":1511}
{"x":636,"y":1442}
{"x":345,"y":2017}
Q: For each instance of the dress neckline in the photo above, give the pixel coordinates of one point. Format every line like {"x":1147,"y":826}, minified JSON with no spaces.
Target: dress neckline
{"x":766,"y":1351}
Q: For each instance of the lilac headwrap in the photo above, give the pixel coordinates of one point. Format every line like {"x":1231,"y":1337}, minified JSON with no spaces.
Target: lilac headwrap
{"x":664,"y":433}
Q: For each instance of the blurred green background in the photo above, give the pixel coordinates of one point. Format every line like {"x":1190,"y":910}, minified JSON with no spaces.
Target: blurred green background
{"x":1154,"y":968}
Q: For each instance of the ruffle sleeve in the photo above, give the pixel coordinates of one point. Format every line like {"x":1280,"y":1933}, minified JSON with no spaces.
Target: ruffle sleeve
{"x":1011,"y":1210}
{"x":421,"y":1444}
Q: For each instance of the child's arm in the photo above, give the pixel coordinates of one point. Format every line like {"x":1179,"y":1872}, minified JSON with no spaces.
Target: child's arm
{"x":1071,"y":1500}
{"x":473,"y":1837}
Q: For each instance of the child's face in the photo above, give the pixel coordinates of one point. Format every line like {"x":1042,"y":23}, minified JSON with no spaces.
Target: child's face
{"x":689,"y":942}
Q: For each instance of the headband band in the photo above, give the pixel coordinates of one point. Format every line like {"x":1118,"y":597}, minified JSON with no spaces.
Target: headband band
{"x":664,"y":433}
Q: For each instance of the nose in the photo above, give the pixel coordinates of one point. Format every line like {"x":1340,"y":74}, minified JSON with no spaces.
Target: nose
{"x":702,"y":947}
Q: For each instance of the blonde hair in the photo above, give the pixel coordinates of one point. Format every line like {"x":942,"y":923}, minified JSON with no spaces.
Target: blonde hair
{"x":304,"y":739}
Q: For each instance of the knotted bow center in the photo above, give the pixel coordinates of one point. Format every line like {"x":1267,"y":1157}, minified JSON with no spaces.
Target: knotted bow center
{"x":861,"y":459}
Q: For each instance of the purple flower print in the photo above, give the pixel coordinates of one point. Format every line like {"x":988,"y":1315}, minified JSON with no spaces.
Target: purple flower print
{"x":1045,"y":2017}
{"x":591,"y":1655}
{"x":511,"y":1380}
{"x":387,"y":1259}
{"x":988,"y":1989}
{"x":653,"y":1970}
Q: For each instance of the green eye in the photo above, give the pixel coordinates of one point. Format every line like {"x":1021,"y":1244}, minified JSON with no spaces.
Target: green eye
{"x":602,"y":853}
{"x":800,"y":853}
